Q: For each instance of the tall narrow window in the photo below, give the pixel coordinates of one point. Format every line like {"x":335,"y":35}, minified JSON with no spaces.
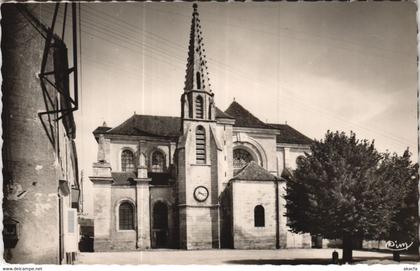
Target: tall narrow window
{"x":259,"y":216}
{"x":198,"y":78}
{"x":126,"y":216}
{"x":158,"y":161}
{"x":199,"y":107}
{"x":127,"y":160}
{"x":200,"y":141}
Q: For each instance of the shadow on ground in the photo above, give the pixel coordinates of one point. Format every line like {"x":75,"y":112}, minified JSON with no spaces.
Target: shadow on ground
{"x":356,"y":260}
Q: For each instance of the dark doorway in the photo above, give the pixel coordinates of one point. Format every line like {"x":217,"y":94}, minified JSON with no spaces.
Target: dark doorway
{"x":160,"y":225}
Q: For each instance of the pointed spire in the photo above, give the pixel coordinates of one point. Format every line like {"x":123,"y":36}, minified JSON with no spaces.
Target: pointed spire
{"x":196,"y":75}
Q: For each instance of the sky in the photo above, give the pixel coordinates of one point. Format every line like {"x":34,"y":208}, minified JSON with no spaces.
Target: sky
{"x":315,"y":66}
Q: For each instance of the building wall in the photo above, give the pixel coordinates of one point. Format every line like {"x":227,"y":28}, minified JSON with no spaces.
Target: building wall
{"x":166,"y":195}
{"x":199,"y":227}
{"x":32,"y":165}
{"x":247,"y":195}
{"x":288,"y":154}
{"x":286,"y":158}
{"x":262,"y":144}
{"x":197,"y":230}
{"x":102,"y":212}
{"x":122,"y":239}
{"x":146,"y":147}
{"x":108,"y":236}
{"x":116,"y":149}
{"x":225,"y":161}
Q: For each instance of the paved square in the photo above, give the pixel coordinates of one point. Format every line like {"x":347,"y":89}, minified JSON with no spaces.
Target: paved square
{"x":224,"y":256}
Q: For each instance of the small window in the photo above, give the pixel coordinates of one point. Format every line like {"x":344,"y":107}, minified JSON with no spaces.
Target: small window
{"x":127,"y":160}
{"x":198,"y":78}
{"x":259,"y":216}
{"x":126,"y":216}
{"x":199,"y":107}
{"x":200,"y":141}
{"x":158,"y":161}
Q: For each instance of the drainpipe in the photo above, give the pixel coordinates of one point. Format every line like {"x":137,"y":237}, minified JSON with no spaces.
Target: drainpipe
{"x":137,"y":217}
{"x":60,"y":231}
{"x":276,"y":183}
{"x":218,"y":225}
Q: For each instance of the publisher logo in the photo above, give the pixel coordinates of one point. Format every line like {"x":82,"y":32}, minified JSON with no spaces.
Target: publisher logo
{"x":396,"y":246}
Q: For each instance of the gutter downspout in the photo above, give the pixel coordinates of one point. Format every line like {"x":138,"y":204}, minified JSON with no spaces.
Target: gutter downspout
{"x":276,"y":183}
{"x":137,"y":217}
{"x":60,"y":230}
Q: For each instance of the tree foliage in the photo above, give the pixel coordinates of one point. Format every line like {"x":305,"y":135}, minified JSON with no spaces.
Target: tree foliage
{"x":345,"y":187}
{"x":402,"y":176}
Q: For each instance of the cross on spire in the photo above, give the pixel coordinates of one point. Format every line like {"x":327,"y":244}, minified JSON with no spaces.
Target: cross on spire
{"x":196,"y":77}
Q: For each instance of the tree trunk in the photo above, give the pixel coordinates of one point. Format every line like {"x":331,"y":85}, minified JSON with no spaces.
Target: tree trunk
{"x":396,"y":256}
{"x":347,"y":249}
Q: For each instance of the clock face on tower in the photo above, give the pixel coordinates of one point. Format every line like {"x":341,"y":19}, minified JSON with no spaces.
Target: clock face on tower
{"x":201,"y":193}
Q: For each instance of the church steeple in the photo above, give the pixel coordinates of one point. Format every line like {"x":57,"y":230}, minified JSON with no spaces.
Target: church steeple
{"x":197,"y":75}
{"x":197,"y":101}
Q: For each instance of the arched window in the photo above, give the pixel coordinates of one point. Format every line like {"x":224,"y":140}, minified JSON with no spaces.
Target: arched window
{"x":200,"y":145}
{"x":126,"y":216}
{"x":199,"y":107}
{"x":198,"y":78}
{"x":259,"y":216}
{"x":127,"y":160}
{"x":241,"y":158}
{"x":158,"y":161}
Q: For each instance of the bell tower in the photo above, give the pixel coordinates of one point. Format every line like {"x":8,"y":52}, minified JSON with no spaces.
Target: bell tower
{"x":197,"y":100}
{"x":197,"y":151}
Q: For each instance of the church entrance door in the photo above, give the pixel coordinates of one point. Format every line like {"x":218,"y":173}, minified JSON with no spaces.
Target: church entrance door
{"x":160,"y":225}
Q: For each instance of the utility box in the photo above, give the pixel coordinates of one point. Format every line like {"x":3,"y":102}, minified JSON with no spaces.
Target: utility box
{"x":10,"y":232}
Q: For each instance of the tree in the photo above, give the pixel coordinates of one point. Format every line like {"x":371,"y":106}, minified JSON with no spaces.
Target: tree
{"x":403,"y":177}
{"x":336,"y":192}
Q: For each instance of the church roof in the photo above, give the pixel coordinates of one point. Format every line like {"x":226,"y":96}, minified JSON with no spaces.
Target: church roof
{"x":101,"y":130}
{"x":146,"y":125}
{"x":243,"y":118}
{"x":254,"y":172}
{"x":170,"y":127}
{"x":290,"y":135}
{"x":222,"y":115}
{"x":123,"y":177}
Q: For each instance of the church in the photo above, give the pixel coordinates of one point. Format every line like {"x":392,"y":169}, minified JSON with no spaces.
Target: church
{"x":206,"y":179}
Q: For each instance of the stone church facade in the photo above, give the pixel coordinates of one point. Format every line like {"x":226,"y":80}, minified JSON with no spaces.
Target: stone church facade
{"x":207,"y":179}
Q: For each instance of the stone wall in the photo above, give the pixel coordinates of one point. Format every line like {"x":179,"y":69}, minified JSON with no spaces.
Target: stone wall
{"x":225,"y":161}
{"x":259,"y":144}
{"x":31,"y":166}
{"x":247,"y":195}
{"x":199,"y":228}
{"x":108,"y":236}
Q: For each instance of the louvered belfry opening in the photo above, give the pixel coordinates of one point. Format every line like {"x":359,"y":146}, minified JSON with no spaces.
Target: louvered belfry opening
{"x":199,"y":107}
{"x":200,"y":141}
